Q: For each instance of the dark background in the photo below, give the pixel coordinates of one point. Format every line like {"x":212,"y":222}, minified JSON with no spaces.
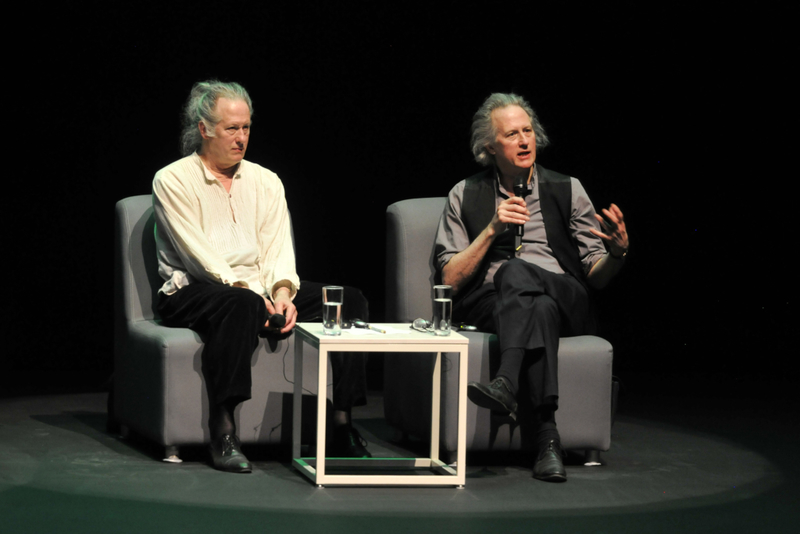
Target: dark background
{"x":678,"y":113}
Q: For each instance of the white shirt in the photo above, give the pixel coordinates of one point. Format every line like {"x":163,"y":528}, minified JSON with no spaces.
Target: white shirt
{"x":205,"y":233}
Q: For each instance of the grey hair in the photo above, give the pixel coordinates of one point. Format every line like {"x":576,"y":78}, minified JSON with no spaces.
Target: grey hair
{"x":202,"y":106}
{"x":483,"y":130}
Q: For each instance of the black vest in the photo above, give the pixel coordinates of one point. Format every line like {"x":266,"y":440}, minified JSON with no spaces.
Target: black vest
{"x":555,"y":199}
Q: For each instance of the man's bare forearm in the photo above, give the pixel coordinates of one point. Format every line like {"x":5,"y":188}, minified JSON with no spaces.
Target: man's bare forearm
{"x":463,"y":266}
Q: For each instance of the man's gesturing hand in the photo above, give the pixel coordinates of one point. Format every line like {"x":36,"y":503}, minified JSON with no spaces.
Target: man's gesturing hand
{"x":614,"y":232}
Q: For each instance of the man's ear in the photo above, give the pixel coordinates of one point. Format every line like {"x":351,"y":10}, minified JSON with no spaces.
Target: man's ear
{"x":490,"y":149}
{"x":202,"y":127}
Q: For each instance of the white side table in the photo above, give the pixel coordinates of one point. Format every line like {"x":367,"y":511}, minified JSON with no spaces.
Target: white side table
{"x":413,"y":341}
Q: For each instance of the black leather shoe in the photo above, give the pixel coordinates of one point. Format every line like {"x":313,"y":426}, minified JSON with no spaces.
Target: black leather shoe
{"x":550,"y":465}
{"x":227,"y":455}
{"x":348,"y":443}
{"x":496,"y":396}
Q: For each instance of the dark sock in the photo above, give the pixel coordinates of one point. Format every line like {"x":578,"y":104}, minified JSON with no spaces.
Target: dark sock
{"x":547,"y":430}
{"x":510,"y":364}
{"x":220,"y":419}
{"x":341,"y":418}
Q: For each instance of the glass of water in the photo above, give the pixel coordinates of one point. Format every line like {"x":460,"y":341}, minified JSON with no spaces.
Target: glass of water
{"x":442,"y":309}
{"x":332,"y":297}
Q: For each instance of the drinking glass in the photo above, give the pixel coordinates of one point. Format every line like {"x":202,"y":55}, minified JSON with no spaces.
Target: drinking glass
{"x":332,"y":297}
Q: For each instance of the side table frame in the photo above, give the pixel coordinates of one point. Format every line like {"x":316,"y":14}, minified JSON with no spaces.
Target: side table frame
{"x":314,"y":468}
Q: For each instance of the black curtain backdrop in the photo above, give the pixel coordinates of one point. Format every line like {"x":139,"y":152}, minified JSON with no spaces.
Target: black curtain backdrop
{"x":674,"y":112}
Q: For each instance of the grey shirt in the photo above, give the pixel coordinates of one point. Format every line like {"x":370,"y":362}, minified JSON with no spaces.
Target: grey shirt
{"x":452,"y":236}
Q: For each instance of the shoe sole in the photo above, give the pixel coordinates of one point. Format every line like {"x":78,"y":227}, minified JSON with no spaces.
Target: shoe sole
{"x":552,"y":478}
{"x":231,"y":468}
{"x":481,"y":398}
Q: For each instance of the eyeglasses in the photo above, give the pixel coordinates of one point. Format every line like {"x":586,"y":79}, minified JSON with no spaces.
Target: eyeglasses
{"x":355,"y":323}
{"x":426,"y":326}
{"x":422,"y":325}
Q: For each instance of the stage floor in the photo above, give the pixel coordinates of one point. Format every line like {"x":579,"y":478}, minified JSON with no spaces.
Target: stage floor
{"x":674,"y":466}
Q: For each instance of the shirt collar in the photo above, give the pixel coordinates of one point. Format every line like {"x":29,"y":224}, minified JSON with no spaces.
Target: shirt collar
{"x":210,"y":177}
{"x":501,"y":190}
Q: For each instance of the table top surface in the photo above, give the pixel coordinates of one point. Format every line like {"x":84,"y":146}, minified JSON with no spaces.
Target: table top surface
{"x":408,"y":335}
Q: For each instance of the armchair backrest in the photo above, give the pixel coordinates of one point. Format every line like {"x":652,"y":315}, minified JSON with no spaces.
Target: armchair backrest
{"x":410,"y":231}
{"x":136,"y":279}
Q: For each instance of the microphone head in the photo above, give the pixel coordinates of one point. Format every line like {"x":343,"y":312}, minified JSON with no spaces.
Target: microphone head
{"x":520,"y":185}
{"x":277,"y":320}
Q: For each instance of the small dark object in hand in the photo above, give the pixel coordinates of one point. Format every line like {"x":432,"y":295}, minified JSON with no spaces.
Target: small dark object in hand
{"x":276,"y":321}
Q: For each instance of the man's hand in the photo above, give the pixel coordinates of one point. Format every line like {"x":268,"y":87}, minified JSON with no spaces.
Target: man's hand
{"x":512,"y":210}
{"x":614,"y":232}
{"x":283,"y":304}
{"x":616,"y":238}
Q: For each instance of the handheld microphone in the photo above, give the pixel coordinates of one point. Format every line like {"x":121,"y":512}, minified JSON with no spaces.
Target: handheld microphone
{"x":277,"y":321}
{"x":520,"y":190}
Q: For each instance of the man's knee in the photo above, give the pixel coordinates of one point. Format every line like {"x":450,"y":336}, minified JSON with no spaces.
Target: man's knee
{"x":241,"y":296}
{"x":518,"y":274}
{"x":243,"y":303}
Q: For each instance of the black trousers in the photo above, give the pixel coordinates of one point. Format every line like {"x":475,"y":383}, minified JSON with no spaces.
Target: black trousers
{"x":230,"y":319}
{"x":529,"y":308}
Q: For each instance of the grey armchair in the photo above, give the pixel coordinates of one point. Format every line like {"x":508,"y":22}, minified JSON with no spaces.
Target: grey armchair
{"x":158,"y":388}
{"x":585,"y":382}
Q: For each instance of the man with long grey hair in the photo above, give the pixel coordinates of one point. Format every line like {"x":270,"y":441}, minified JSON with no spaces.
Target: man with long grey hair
{"x":520,"y":245}
{"x":225,"y":252}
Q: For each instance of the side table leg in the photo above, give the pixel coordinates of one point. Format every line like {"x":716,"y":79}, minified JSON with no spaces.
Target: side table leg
{"x":297,"y":398}
{"x":463,"y":368}
{"x":322,"y":409}
{"x":436,"y":404}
